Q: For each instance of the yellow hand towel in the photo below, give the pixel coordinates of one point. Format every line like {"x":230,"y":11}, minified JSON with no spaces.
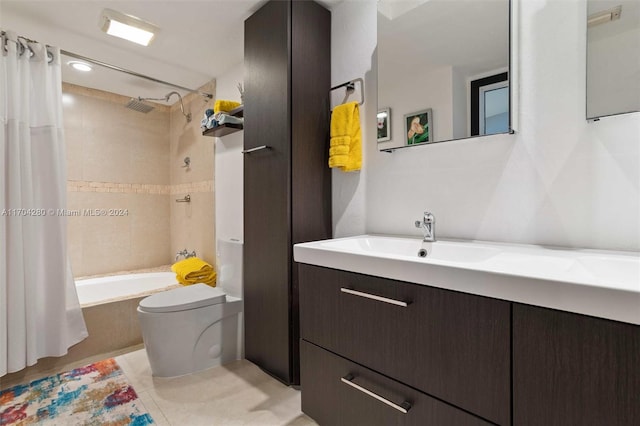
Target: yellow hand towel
{"x":339,"y":151}
{"x":194,"y":270}
{"x":345,"y":150}
{"x":224,"y":106}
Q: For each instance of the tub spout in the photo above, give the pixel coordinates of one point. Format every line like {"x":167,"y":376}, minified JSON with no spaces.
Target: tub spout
{"x":184,"y":253}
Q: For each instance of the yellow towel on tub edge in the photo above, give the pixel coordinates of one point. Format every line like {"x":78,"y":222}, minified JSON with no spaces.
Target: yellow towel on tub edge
{"x":345,"y":150}
{"x":208,"y":279}
{"x":194,"y":270}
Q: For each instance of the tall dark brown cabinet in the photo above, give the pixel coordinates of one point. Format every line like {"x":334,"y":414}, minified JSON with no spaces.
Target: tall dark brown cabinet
{"x":287,"y":184}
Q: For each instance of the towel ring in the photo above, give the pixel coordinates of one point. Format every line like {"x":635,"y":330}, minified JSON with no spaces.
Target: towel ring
{"x":350,"y":87}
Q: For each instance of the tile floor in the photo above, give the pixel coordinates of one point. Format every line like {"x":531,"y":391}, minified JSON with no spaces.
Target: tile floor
{"x":238,"y":393}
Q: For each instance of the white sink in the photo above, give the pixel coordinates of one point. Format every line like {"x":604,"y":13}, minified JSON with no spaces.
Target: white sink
{"x":374,"y":245}
{"x":622,"y":271}
{"x":598,"y":283}
{"x":378,"y":245}
{"x":534,"y":265}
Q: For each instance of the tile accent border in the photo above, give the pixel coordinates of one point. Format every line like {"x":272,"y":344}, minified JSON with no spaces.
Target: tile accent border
{"x":138,"y":188}
{"x":204,"y":186}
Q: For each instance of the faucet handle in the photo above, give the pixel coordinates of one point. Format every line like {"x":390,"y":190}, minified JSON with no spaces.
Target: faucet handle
{"x":418,"y":224}
{"x":183,"y":253}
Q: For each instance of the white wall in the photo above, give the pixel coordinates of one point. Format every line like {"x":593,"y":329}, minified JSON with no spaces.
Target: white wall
{"x":353,"y":41}
{"x":228,"y":170}
{"x":558,"y":181}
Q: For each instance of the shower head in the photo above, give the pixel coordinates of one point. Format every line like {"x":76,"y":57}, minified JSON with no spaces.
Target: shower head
{"x":139,"y":105}
{"x":165,"y":99}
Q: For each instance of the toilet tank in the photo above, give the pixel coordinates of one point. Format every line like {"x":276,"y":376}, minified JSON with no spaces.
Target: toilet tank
{"x":229,"y":266}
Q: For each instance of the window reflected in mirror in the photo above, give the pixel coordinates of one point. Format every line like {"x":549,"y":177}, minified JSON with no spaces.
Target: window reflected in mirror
{"x":490,"y":105}
{"x":450,"y":58}
{"x":613,"y":57}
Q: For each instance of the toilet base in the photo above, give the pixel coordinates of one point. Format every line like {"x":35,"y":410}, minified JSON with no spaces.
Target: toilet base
{"x":180,"y":343}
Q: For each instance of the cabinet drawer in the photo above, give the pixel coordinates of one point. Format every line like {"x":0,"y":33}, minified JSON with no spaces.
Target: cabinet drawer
{"x":336,"y":391}
{"x":451,"y":345}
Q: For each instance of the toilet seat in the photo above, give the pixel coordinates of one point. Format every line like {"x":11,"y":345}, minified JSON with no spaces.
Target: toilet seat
{"x":183,"y":299}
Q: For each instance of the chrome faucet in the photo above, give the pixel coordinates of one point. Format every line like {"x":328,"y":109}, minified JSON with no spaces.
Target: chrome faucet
{"x":428,"y":225}
{"x":184,"y":253}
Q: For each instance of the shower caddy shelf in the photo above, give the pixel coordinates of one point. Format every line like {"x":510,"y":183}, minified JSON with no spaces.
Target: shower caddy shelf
{"x":226,"y":129}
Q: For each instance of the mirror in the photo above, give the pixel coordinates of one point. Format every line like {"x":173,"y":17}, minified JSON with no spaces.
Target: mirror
{"x":443,"y":71}
{"x":613,"y":64}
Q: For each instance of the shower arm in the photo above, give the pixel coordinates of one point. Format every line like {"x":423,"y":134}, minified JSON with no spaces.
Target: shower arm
{"x":166,"y":99}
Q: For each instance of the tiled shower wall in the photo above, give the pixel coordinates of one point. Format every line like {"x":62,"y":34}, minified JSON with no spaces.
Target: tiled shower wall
{"x":192,"y":224}
{"x":126,"y":164}
{"x":117,"y":161}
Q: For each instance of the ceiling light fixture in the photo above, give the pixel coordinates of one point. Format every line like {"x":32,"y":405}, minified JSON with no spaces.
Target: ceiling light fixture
{"x":127,"y":27}
{"x":80,"y":66}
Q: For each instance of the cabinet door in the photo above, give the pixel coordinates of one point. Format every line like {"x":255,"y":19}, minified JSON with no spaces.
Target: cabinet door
{"x":310,"y":173}
{"x":570,"y":369}
{"x":451,"y":345}
{"x":336,"y":391}
{"x":266,"y":190}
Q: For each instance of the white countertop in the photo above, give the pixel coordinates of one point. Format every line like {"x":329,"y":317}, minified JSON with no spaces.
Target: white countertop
{"x":603,"y":284}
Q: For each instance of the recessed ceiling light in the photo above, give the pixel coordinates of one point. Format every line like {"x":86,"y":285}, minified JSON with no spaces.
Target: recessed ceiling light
{"x":80,"y":66}
{"x":127,"y":27}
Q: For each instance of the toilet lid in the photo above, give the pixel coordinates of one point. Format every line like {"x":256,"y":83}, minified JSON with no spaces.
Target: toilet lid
{"x":183,"y":298}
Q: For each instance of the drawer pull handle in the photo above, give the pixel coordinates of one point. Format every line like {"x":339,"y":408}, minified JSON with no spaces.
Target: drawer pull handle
{"x":404,"y":408}
{"x":374,"y":297}
{"x":257,"y":148}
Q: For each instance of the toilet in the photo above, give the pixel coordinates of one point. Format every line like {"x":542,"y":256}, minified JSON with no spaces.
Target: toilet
{"x":192,"y":328}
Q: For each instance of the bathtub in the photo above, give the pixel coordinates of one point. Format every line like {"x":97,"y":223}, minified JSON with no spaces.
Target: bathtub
{"x":94,"y":291}
{"x":109,"y":306}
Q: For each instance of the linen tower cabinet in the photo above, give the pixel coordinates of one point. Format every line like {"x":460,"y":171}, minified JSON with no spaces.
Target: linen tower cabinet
{"x":287,"y":182}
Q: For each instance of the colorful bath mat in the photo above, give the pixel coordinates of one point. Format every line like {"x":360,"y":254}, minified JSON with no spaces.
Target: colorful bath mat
{"x":98,"y":394}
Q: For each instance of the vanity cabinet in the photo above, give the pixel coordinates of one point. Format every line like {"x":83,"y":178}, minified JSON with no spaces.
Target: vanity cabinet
{"x":456,"y":358}
{"x":571,"y":369}
{"x":452,"y":348}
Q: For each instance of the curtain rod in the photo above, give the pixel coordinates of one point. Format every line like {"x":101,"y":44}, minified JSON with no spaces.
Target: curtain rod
{"x":114,"y":67}
{"x":126,"y":71}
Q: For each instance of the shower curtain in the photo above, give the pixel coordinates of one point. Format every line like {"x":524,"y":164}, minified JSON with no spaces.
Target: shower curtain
{"x":40,"y":314}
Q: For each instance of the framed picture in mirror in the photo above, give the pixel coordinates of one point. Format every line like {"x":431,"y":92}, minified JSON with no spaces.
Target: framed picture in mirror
{"x":384,"y":124}
{"x":418,"y":127}
{"x":429,"y":53}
